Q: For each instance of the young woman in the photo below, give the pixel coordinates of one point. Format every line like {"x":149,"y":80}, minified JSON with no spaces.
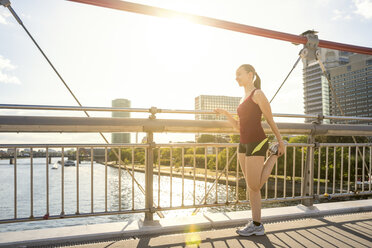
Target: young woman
{"x":254,"y":143}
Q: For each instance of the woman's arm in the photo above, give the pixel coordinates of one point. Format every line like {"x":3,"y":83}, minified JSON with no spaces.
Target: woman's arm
{"x":235,"y":123}
{"x":260,"y":98}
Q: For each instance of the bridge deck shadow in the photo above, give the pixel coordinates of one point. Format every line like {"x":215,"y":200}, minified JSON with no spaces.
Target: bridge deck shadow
{"x":344,"y":230}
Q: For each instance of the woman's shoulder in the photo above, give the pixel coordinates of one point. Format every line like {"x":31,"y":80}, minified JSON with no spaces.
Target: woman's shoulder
{"x":258,"y":92}
{"x":258,"y":95}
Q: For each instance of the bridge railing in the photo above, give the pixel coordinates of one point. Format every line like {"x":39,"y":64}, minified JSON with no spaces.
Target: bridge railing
{"x":151,"y":178}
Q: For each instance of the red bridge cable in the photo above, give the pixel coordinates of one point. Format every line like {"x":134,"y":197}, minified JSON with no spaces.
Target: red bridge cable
{"x":161,"y":12}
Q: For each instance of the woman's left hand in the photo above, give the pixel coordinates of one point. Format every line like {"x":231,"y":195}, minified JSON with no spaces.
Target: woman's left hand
{"x":281,"y":148}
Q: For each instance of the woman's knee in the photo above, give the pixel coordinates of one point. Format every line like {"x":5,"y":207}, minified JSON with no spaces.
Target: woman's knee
{"x":253,"y":186}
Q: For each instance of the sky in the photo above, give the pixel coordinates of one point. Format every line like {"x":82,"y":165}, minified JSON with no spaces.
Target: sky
{"x":104,"y":54}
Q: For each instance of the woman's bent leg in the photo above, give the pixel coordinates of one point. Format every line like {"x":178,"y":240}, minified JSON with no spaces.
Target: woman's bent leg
{"x":254,"y":166}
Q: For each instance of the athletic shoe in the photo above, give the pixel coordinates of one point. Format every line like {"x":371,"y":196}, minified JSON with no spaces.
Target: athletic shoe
{"x":251,"y":229}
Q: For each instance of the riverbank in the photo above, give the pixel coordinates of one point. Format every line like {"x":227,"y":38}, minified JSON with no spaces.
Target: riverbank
{"x":200,"y":174}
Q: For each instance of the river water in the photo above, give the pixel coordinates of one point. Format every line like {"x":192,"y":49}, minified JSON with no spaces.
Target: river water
{"x":70,"y":206}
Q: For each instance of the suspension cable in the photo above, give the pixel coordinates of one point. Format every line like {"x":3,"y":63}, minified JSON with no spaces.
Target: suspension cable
{"x":6,"y":4}
{"x":294,"y":66}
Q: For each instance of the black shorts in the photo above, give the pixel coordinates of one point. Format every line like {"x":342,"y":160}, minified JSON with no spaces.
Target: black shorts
{"x":249,"y":149}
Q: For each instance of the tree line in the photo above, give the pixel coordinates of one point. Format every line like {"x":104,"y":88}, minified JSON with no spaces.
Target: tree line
{"x":208,"y":157}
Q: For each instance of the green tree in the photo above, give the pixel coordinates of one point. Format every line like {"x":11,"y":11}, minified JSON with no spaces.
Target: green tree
{"x":210,"y":138}
{"x":200,"y":150}
{"x":234,"y":138}
{"x":222,"y":156}
{"x":139,"y":155}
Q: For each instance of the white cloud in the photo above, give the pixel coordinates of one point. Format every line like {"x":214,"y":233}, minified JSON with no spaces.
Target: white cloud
{"x":3,"y":16}
{"x":5,"y":65}
{"x":364,"y":8}
{"x":348,"y":17}
{"x":339,"y":14}
{"x":2,"y":20}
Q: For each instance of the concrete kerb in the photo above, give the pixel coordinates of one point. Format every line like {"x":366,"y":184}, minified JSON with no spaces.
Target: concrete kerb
{"x":207,"y":221}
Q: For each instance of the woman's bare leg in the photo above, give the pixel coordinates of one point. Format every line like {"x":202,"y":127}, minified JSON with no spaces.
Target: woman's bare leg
{"x":268,"y":167}
{"x":254,"y":166}
{"x":241,"y":157}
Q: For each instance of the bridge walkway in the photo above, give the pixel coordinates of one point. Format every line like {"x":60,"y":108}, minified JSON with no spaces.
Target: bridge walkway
{"x":331,"y":224}
{"x":343,"y":230}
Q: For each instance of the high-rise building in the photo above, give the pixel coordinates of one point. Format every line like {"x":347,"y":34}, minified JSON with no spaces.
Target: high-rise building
{"x":120,"y":137}
{"x":316,"y":89}
{"x":208,"y":102}
{"x":352,"y":83}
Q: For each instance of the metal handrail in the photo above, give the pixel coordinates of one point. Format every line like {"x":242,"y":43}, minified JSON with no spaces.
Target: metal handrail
{"x":161,"y":145}
{"x":292,"y":178}
{"x":154,"y":110}
{"x":107,"y":124}
{"x":103,"y":145}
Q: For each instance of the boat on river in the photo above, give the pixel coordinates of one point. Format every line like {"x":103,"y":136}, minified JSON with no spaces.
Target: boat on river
{"x":55,"y":166}
{"x":69,"y":163}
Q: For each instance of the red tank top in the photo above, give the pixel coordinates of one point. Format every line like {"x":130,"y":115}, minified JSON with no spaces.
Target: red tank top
{"x":250,"y":121}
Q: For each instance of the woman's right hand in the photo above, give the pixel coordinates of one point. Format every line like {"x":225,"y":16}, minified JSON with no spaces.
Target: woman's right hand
{"x":234,"y":122}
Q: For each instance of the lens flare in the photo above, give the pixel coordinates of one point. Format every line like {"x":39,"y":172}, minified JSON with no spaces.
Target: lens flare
{"x":192,"y":238}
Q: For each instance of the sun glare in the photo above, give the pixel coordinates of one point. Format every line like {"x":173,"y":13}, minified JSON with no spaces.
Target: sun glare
{"x":192,"y":238}
{"x":176,"y":42}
